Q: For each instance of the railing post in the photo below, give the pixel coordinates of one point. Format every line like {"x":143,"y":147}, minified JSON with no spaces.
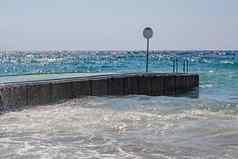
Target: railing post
{"x":187,"y":65}
{"x":184,"y":66}
{"x":177,"y":67}
{"x":174,"y":65}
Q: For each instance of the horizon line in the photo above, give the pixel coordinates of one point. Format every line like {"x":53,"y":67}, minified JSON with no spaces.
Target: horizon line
{"x":116,"y":50}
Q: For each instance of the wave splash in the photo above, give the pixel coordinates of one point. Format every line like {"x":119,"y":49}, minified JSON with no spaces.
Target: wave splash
{"x":122,"y":127}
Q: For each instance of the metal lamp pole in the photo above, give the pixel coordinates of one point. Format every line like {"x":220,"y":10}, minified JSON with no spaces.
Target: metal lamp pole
{"x":147,"y":55}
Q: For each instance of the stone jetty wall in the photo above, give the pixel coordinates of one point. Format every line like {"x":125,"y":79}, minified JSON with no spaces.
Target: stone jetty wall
{"x":16,"y":95}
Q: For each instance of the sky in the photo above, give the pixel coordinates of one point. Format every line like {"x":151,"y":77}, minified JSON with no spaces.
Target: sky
{"x":118,"y":24}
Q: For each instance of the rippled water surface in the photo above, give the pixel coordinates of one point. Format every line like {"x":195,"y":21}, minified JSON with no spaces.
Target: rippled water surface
{"x":131,"y":126}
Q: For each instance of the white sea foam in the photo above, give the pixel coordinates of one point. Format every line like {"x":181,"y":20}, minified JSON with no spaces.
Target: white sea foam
{"x":118,"y":128}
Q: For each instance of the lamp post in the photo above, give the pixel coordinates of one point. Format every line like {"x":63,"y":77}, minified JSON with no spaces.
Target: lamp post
{"x":147,"y":33}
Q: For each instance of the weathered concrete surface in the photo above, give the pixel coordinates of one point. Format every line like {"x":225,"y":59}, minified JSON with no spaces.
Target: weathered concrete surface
{"x":157,"y":85}
{"x":62,"y":91}
{"x":116,"y":86}
{"x":18,"y":94}
{"x":39,"y":94}
{"x":13,"y":97}
{"x":144,"y":84}
{"x":99,"y":87}
{"x":181,"y":84}
{"x":81,"y":88}
{"x":196,"y":81}
{"x":169,"y":88}
{"x":131,"y":85}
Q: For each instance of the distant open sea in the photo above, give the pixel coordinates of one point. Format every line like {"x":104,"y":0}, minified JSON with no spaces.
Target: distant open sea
{"x":131,"y":126}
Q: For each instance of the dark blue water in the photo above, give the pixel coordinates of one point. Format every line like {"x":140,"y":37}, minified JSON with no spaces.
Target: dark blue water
{"x":131,"y":126}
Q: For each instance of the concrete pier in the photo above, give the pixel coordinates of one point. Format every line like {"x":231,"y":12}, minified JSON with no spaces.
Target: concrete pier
{"x":16,"y":92}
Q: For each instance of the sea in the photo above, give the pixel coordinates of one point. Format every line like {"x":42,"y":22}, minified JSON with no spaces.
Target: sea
{"x":125,"y":127}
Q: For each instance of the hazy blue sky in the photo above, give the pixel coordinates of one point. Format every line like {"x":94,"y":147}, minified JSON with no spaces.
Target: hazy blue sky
{"x":117,"y":24}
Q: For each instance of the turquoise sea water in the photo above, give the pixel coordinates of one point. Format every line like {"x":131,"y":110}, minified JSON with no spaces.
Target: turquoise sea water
{"x":218,"y":69}
{"x":130,"y":126}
